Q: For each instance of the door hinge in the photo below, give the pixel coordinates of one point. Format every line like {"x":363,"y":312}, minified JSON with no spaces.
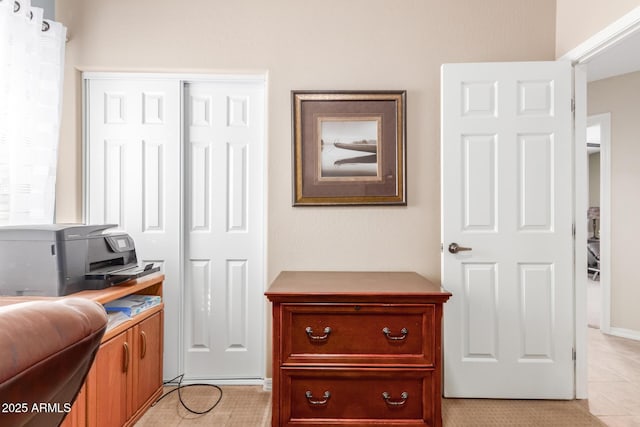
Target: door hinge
{"x":573,"y":105}
{"x":573,"y":354}
{"x":573,"y":230}
{"x":441,"y":247}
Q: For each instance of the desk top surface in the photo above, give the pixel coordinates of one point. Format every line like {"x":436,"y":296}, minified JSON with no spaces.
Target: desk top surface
{"x":334,"y":285}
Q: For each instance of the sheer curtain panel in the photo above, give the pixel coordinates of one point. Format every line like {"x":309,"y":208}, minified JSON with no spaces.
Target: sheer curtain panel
{"x":31,"y":71}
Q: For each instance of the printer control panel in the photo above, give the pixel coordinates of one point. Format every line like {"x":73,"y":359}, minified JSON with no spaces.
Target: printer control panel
{"x":120,"y":243}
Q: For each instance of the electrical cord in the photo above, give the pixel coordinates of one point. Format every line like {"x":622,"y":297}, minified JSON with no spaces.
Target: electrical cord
{"x":181,"y":386}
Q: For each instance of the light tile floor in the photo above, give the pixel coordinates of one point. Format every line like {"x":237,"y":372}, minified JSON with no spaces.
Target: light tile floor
{"x":614,"y":379}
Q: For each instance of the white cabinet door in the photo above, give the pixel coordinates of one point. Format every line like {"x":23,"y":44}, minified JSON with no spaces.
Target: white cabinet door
{"x":224,"y":273}
{"x":507,"y":195}
{"x":132,"y":163}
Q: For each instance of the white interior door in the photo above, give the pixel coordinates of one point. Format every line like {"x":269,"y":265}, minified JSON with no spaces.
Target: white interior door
{"x":132,"y":163}
{"x":224,"y":273}
{"x":507,"y":195}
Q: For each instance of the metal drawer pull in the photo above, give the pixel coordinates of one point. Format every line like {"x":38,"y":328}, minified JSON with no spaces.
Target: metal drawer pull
{"x":143,"y":347}
{"x":126,"y":357}
{"x":387,"y":332}
{"x":325,"y":398}
{"x":326,"y":331}
{"x":395,"y":402}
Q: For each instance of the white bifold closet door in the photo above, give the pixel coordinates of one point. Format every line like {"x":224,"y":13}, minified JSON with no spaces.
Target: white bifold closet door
{"x":179,"y":166}
{"x":224,"y":328}
{"x":132,"y":177}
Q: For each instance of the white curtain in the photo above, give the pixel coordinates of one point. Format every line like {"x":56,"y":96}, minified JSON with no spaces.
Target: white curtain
{"x":31,"y":71}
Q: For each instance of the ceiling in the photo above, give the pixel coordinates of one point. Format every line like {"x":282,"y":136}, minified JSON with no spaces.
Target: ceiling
{"x":621,"y":58}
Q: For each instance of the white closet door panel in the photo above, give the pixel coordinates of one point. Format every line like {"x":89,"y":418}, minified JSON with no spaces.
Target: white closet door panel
{"x":224,"y":229}
{"x":153,"y":183}
{"x":134,"y":175}
{"x":237,"y":186}
{"x":114,"y":179}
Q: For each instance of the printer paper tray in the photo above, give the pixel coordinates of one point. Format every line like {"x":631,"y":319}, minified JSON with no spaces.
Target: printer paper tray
{"x":122,"y":275}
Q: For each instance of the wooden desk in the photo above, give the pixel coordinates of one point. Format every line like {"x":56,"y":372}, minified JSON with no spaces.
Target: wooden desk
{"x":126,"y":376}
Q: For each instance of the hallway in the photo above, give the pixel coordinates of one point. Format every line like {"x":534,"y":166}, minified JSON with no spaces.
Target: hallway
{"x":614,"y":379}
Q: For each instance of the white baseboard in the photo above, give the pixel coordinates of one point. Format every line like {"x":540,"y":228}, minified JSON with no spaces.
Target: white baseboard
{"x":247,"y":381}
{"x":625,"y":333}
{"x":266,"y":383}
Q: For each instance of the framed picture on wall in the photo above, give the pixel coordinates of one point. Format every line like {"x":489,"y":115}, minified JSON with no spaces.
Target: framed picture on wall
{"x":349,"y":148}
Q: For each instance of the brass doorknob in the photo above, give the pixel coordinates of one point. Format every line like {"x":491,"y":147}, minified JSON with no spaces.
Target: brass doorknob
{"x":454,"y":248}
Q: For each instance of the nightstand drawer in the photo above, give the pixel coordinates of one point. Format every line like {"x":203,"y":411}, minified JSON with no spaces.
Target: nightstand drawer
{"x":357,"y":396}
{"x":361,"y":334}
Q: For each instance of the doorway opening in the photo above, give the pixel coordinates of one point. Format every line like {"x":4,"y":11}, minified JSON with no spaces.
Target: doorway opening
{"x":604,"y":55}
{"x":599,"y":214}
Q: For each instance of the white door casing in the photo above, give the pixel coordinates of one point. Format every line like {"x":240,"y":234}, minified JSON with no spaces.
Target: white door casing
{"x":580,"y":204}
{"x":601,"y":51}
{"x":603,"y":121}
{"x":132,"y":172}
{"x":507,"y":194}
{"x":224,"y":273}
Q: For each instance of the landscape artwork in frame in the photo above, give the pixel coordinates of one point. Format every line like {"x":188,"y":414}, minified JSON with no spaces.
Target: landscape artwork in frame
{"x":349,"y":148}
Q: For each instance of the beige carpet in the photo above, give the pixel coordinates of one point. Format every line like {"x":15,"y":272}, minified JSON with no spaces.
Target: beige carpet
{"x":241,"y":406}
{"x":249,"y":406}
{"x":485,"y":413}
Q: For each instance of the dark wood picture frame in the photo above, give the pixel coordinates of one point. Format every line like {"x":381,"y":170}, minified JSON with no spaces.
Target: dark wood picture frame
{"x":349,"y":148}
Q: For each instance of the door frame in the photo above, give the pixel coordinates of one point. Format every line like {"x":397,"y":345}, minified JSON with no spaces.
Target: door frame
{"x":580,"y":56}
{"x":604,"y":121}
{"x":185,"y":78}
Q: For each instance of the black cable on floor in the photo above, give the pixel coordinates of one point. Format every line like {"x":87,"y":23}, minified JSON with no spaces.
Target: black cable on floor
{"x":181,"y":386}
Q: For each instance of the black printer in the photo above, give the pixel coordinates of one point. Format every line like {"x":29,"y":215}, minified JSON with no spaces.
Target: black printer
{"x":60,"y":259}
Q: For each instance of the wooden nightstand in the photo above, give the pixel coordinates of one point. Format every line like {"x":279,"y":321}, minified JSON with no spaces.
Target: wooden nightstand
{"x":356,"y":349}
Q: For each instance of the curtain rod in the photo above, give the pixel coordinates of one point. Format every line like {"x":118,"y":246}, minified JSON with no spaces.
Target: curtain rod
{"x":16,"y":9}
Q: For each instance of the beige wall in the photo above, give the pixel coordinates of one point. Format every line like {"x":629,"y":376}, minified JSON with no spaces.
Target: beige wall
{"x":619,"y":96}
{"x":332,"y":44}
{"x":578,"y":20}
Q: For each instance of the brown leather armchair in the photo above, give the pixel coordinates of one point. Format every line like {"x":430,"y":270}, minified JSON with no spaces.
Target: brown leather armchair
{"x":46,"y":350}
